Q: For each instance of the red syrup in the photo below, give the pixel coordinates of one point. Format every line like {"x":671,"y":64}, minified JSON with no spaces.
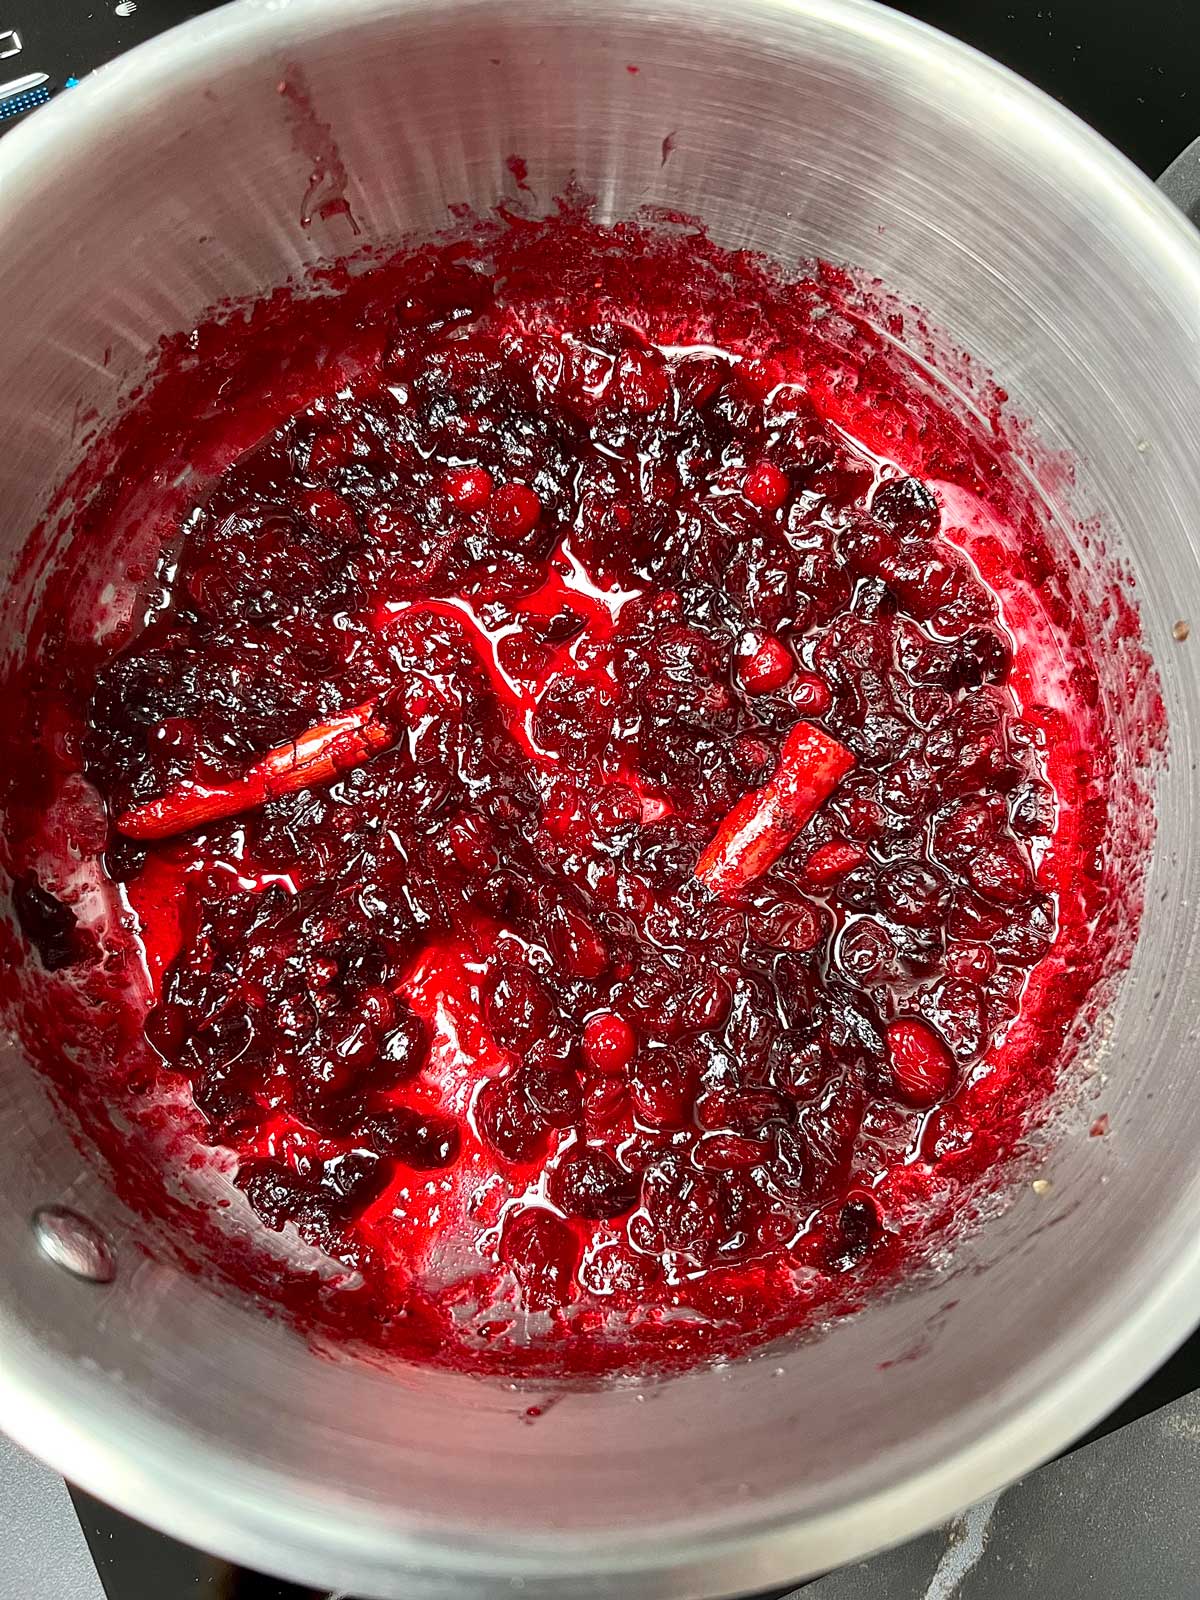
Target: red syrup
{"x":574,"y":784}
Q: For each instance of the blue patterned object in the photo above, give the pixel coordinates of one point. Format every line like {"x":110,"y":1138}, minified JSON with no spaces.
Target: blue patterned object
{"x":26,"y":101}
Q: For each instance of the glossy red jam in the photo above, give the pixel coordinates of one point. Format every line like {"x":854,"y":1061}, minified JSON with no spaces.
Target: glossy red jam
{"x":579,"y":814}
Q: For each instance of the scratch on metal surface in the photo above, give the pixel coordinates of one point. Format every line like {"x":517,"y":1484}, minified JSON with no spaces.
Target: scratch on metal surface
{"x":968,"y":1536}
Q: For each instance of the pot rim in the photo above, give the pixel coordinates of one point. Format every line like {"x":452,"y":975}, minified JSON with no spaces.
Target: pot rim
{"x":264,"y":1521}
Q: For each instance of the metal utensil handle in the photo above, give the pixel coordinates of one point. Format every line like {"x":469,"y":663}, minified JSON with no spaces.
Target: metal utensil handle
{"x":1181,"y":181}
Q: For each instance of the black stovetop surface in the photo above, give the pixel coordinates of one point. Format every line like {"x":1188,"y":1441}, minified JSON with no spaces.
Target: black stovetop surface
{"x":1127,"y":69}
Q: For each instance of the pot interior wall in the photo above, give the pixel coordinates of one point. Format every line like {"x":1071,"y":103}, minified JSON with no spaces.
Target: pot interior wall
{"x":805,"y":130}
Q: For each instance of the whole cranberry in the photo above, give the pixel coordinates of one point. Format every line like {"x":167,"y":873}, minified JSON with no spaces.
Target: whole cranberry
{"x":470,"y":488}
{"x":765,"y":486}
{"x":514,"y":511}
{"x":922,"y":1068}
{"x":609,"y":1043}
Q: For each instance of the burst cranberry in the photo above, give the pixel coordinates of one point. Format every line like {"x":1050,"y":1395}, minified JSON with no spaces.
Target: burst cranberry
{"x":981,"y":655}
{"x":907,"y":507}
{"x":707,"y":1005}
{"x":275,"y":1192}
{"x":555,"y":1095}
{"x":956,"y":1009}
{"x":962,"y":830}
{"x":1001,"y":873}
{"x":357,"y":1178}
{"x":49,"y":925}
{"x":421,"y":1139}
{"x":588,"y":1183}
{"x":744,"y":1111}
{"x":911,"y":893}
{"x":753,"y":758}
{"x":518,"y":1008}
{"x":856,"y":1229}
{"x":574,"y":942}
{"x":405,"y":1047}
{"x":543,"y":1252}
{"x":726,"y":1152}
{"x":866,"y":952}
{"x":972,"y":919}
{"x":327,"y":1090}
{"x":615,"y":1274}
{"x":970,"y":961}
{"x":605,"y":1102}
{"x":328,"y":450}
{"x":509,"y":1121}
{"x":682,"y":1204}
{"x":663,"y":1086}
{"x":641,"y":380}
{"x":1032,"y":809}
{"x":789,"y":925}
{"x":699,"y":377}
{"x":332,"y":515}
{"x":759,"y":376}
{"x":867,"y":548}
{"x":1028,"y":933}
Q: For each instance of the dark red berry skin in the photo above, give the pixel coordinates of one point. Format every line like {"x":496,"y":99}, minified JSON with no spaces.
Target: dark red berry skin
{"x":423,"y":1140}
{"x":589,"y":1184}
{"x":543,"y":1253}
{"x":662,"y":937}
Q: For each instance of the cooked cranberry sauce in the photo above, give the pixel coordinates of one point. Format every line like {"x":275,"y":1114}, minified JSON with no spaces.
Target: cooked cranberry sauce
{"x":662,"y":841}
{"x":610,"y":869}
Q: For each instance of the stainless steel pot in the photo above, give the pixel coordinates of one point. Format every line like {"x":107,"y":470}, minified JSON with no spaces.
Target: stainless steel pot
{"x":801,"y":127}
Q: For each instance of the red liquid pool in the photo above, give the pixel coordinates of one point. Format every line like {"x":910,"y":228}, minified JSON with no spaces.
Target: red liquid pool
{"x":583,"y":808}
